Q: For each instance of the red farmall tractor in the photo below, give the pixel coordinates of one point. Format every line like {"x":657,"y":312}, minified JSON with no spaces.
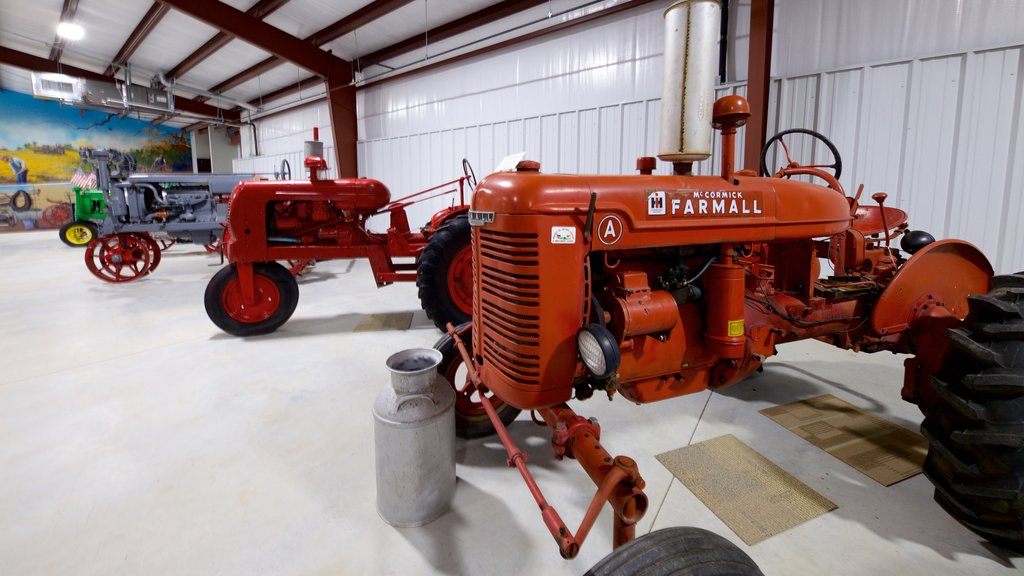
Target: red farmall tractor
{"x":651,"y":287}
{"x":301,"y":221}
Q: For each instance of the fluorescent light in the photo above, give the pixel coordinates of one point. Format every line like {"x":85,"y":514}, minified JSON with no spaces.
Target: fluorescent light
{"x":70,"y":31}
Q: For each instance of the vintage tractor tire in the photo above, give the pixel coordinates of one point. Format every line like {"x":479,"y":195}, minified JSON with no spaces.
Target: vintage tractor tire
{"x":682,"y":551}
{"x":975,"y":422}
{"x":471,"y":420}
{"x":78,"y":234}
{"x":444,"y":275}
{"x":21,"y":201}
{"x":277,"y":295}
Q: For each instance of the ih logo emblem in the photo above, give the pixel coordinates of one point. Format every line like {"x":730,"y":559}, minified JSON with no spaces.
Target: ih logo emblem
{"x":656,"y":203}
{"x":609,"y":230}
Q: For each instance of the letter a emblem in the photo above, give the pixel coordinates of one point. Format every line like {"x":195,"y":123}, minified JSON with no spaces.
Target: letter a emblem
{"x":609,"y":230}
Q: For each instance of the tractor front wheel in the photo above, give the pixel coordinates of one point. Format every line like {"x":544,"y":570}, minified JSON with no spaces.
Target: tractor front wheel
{"x":119,"y":257}
{"x":276,"y":291}
{"x":975,"y":421}
{"x":471,"y":419}
{"x":444,"y":275}
{"x":685,"y":551}
{"x":78,"y":234}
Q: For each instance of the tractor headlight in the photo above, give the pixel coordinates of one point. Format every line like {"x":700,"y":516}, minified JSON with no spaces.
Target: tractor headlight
{"x":598,"y":350}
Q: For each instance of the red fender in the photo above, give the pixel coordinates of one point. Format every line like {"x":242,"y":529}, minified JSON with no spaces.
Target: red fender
{"x":441,"y":217}
{"x":941,"y":274}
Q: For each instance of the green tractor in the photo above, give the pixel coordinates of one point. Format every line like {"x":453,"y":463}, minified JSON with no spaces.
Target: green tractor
{"x":89,"y":210}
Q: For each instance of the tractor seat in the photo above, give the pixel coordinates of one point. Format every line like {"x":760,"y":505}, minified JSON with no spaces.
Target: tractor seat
{"x":868,"y":219}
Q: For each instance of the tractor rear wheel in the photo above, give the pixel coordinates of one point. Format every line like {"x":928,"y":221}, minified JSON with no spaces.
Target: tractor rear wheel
{"x":445,"y":274}
{"x":277,"y":294}
{"x":683,"y":551}
{"x":975,"y":422}
{"x":78,"y":233}
{"x":471,"y":419}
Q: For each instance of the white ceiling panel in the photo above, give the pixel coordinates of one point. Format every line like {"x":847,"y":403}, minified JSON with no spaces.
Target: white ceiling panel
{"x":407,"y":21}
{"x":28,"y":26}
{"x":242,"y":5}
{"x":283,"y":75}
{"x":170,"y":42}
{"x":107,"y":23}
{"x":236,"y":56}
{"x":302,"y":18}
{"x":15,"y":79}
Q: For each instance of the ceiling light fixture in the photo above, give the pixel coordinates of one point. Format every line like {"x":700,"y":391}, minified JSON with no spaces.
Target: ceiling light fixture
{"x":70,"y":31}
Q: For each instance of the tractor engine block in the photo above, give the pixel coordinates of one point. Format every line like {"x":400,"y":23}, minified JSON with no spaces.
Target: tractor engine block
{"x":310,"y":223}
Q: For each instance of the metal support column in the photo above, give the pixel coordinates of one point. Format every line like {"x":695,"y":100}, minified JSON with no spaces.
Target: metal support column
{"x":759,"y":69}
{"x":341,"y":101}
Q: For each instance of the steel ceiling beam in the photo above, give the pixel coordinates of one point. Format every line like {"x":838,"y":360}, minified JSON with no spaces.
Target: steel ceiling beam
{"x":153,"y":16}
{"x":67,"y":14}
{"x":261,"y":10}
{"x":309,"y":81}
{"x":447,"y":30}
{"x":260,"y":34}
{"x":37,"y":64}
{"x":353,"y":21}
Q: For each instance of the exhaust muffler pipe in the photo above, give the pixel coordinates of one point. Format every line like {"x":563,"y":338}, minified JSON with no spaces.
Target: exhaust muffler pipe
{"x":692,"y":29}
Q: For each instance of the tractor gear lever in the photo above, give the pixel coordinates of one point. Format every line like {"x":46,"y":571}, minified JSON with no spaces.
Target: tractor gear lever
{"x":880,"y":197}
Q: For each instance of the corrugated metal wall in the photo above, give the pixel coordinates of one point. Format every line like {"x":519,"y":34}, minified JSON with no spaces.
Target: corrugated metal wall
{"x":281,"y":137}
{"x":941,"y":134}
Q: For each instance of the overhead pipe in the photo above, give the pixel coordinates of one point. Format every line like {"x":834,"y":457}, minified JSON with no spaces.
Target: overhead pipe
{"x":170,"y":84}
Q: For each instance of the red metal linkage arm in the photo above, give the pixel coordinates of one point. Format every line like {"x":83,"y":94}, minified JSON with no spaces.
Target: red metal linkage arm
{"x":618,"y":480}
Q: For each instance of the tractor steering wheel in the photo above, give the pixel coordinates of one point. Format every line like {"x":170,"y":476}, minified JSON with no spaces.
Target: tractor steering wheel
{"x":792,"y":167}
{"x":467,"y":170}
{"x":286,"y":169}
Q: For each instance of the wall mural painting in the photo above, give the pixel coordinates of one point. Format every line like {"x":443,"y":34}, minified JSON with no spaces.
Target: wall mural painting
{"x":40,"y":142}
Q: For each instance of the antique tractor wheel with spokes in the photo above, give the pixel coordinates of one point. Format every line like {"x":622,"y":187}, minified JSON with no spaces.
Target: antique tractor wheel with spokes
{"x":119,"y":257}
{"x":471,"y":420}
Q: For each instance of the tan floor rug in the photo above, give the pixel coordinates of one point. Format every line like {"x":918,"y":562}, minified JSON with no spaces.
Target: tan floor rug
{"x":752,"y":495}
{"x":881,"y":450}
{"x":384,"y":322}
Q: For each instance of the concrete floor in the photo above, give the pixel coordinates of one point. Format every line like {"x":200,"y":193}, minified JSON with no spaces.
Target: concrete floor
{"x":137,"y":438}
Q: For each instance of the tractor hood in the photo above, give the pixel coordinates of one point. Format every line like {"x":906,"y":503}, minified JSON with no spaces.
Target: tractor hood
{"x":649,"y":211}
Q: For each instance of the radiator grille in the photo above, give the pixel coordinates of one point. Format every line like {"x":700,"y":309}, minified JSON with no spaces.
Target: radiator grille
{"x":509,"y":301}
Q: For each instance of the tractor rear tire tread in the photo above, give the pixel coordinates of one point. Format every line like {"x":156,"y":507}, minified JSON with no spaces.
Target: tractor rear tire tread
{"x":1008,"y":281}
{"x":682,"y":551}
{"x":995,"y":384}
{"x":975,"y":420}
{"x":432,"y":273}
{"x":962,"y":340}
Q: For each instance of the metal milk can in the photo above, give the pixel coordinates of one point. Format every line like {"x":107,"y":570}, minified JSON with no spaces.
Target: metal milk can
{"x":414,"y":438}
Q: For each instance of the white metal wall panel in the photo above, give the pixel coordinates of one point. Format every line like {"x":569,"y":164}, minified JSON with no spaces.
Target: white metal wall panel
{"x":983,"y":153}
{"x":1012,"y":255}
{"x":814,"y":35}
{"x":839,"y":115}
{"x":281,"y":137}
{"x":943,"y":135}
{"x":932,"y":132}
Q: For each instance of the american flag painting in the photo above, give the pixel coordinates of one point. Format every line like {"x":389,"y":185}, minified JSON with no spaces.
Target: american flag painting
{"x":82,"y":180}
